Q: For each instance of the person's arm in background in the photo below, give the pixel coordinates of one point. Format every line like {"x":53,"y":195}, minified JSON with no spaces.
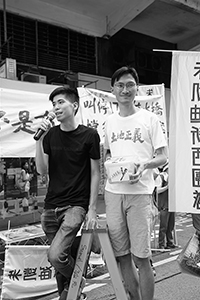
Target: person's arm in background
{"x":91,"y":218}
{"x":164,"y":181}
{"x":23,"y":175}
{"x":162,"y":189}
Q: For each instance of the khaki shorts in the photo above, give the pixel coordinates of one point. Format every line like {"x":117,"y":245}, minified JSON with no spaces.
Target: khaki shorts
{"x":129,"y":221}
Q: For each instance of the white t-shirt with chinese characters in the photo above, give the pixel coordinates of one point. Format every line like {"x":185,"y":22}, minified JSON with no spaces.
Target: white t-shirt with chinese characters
{"x":137,"y":135}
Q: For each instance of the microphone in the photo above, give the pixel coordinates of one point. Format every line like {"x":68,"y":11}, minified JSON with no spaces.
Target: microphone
{"x":40,"y":131}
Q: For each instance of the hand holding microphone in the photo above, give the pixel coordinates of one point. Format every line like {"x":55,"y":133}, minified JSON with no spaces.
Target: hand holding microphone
{"x":41,"y":131}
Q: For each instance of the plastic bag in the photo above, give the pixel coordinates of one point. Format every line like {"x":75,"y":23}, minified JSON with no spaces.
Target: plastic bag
{"x":189,"y":258}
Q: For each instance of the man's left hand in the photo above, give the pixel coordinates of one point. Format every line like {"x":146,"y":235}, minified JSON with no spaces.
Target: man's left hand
{"x":134,"y":178}
{"x":91,"y":219}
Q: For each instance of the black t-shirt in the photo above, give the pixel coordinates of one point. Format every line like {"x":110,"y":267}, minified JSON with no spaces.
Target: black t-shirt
{"x":69,"y":165}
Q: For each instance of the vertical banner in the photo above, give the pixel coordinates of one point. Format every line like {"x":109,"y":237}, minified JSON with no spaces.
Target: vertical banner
{"x":27,"y":273}
{"x":184,"y":133}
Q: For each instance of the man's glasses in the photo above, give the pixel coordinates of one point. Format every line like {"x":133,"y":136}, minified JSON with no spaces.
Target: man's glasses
{"x":121,"y":86}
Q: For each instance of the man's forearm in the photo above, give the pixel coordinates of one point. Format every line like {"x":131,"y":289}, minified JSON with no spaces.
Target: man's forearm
{"x":94,"y":191}
{"x":155,"y":162}
{"x":41,"y":159}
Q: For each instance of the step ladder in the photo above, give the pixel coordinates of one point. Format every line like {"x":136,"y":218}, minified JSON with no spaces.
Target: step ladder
{"x":82,"y":259}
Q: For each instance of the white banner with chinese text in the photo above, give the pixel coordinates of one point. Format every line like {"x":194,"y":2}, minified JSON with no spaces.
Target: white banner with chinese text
{"x":95,"y":105}
{"x":184,"y":133}
{"x":27,"y":273}
{"x":23,"y":105}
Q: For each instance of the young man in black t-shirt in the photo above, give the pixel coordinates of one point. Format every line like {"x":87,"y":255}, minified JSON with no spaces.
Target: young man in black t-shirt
{"x":69,"y":153}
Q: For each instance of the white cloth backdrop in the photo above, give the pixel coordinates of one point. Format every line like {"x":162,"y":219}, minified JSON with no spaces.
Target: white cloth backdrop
{"x":22,"y":106}
{"x":184,"y":133}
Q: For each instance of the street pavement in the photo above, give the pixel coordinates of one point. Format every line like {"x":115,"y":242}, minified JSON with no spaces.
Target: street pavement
{"x":170,"y":282}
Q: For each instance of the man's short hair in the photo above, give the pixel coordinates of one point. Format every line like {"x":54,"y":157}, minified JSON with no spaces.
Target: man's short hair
{"x":70,"y":93}
{"x":124,"y":71}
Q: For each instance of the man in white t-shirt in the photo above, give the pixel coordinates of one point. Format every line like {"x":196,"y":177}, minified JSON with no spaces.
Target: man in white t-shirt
{"x":138,"y":133}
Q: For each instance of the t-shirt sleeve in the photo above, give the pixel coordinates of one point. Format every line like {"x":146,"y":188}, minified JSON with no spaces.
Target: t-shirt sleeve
{"x":46,"y":144}
{"x":94,"y":145}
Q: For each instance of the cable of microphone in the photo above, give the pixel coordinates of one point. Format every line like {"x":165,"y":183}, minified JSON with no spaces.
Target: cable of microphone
{"x":40,"y":131}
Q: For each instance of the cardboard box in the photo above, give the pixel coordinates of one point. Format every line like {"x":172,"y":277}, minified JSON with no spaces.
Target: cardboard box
{"x":119,"y":168}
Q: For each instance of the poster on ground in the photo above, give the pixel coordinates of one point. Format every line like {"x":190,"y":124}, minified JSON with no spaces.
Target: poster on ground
{"x":27,"y":272}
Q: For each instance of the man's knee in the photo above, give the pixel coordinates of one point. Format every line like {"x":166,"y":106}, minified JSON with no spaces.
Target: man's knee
{"x":141,"y":262}
{"x":123,"y":258}
{"x":56,"y":258}
{"x":53,"y":257}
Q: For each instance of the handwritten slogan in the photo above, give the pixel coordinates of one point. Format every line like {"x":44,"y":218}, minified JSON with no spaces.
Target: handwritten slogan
{"x":184,"y":176}
{"x":27,"y":272}
{"x":21,"y":112}
{"x":97,"y":105}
